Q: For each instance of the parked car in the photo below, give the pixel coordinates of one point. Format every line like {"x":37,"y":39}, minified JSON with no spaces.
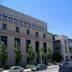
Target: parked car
{"x":39,"y":67}
{"x":15,"y":69}
{"x":65,"y":66}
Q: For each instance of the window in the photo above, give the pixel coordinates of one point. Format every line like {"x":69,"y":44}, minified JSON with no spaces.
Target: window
{"x":44,"y":46}
{"x":27,"y":44}
{"x":28,"y":32}
{"x":4,"y":26}
{"x":17,"y":29}
{"x":4,"y":39}
{"x":37,"y":46}
{"x":15,"y":20}
{"x":4,"y":16}
{"x":29,"y":24}
{"x":17,"y":40}
{"x":0,"y":15}
{"x":65,"y":46}
{"x":44,"y":36}
{"x":36,"y":34}
{"x":25,"y":23}
{"x":10,"y":18}
{"x":20,"y":21}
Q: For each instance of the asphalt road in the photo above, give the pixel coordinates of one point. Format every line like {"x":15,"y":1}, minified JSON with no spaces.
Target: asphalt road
{"x":53,"y":69}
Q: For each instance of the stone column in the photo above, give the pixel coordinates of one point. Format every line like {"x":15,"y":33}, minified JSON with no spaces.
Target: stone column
{"x":10,"y":48}
{"x":23,"y":51}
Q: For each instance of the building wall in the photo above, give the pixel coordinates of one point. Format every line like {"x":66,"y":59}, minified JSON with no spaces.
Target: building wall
{"x":32,"y":24}
{"x":64,"y":46}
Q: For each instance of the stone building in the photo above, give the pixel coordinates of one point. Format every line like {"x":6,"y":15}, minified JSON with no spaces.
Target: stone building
{"x":16,"y":26}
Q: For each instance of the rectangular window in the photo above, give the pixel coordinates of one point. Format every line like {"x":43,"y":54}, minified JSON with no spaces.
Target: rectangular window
{"x":44,"y":36}
{"x":44,"y":46}
{"x":10,"y":18}
{"x":37,"y":46}
{"x":17,"y":29}
{"x":37,"y":34}
{"x":4,"y":16}
{"x":65,"y":46}
{"x":27,"y":44}
{"x":4,"y":39}
{"x":15,"y":20}
{"x":4,"y":26}
{"x":17,"y":40}
{"x":20,"y":21}
{"x":28,"y":32}
{"x":0,"y":15}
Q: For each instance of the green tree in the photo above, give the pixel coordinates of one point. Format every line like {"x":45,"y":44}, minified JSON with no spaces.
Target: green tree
{"x":3,"y":53}
{"x":18,"y":55}
{"x":49,"y":54}
{"x":57,"y":57}
{"x":30,"y":53}
{"x":43,"y":56}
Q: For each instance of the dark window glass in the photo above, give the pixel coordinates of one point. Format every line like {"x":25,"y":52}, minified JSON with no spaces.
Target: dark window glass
{"x":27,"y":44}
{"x":15,"y":20}
{"x":45,"y":46}
{"x":4,"y":26}
{"x":28,"y":60}
{"x":4,"y":39}
{"x":28,"y":32}
{"x":17,"y":29}
{"x":17,"y":40}
{"x":44,"y":36}
{"x":37,"y":46}
{"x":29,"y":24}
{"x":37,"y":34}
{"x":4,"y":16}
{"x":0,"y":15}
{"x":20,"y":21}
{"x":10,"y":18}
{"x":65,"y":46}
{"x":25,"y":22}
{"x":39,"y":27}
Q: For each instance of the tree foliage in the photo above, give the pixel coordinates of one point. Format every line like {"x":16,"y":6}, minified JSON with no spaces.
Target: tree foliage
{"x":49,"y":54}
{"x":3,"y":53}
{"x":18,"y":54}
{"x":57,"y":57}
{"x":30,"y":53}
{"x":43,"y":55}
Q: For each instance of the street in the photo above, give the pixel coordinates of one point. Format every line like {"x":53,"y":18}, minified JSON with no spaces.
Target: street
{"x":53,"y":69}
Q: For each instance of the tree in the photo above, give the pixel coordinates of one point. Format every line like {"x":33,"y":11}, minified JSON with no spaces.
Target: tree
{"x":3,"y":53}
{"x":30,"y":53}
{"x":49,"y":55}
{"x":18,"y":54}
{"x":57,"y":57}
{"x":42,"y":55}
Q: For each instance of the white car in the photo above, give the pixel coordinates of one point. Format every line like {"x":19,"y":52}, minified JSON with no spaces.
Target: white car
{"x":15,"y":69}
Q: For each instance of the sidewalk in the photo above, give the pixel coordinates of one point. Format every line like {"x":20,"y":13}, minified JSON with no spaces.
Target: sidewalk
{"x":52,"y":66}
{"x":29,"y":70}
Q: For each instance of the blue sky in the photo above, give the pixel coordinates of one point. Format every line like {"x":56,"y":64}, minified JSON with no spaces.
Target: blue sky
{"x":57,"y":13}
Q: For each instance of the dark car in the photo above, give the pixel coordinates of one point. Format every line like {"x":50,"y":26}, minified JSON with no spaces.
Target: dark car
{"x":39,"y":67}
{"x":65,"y":66}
